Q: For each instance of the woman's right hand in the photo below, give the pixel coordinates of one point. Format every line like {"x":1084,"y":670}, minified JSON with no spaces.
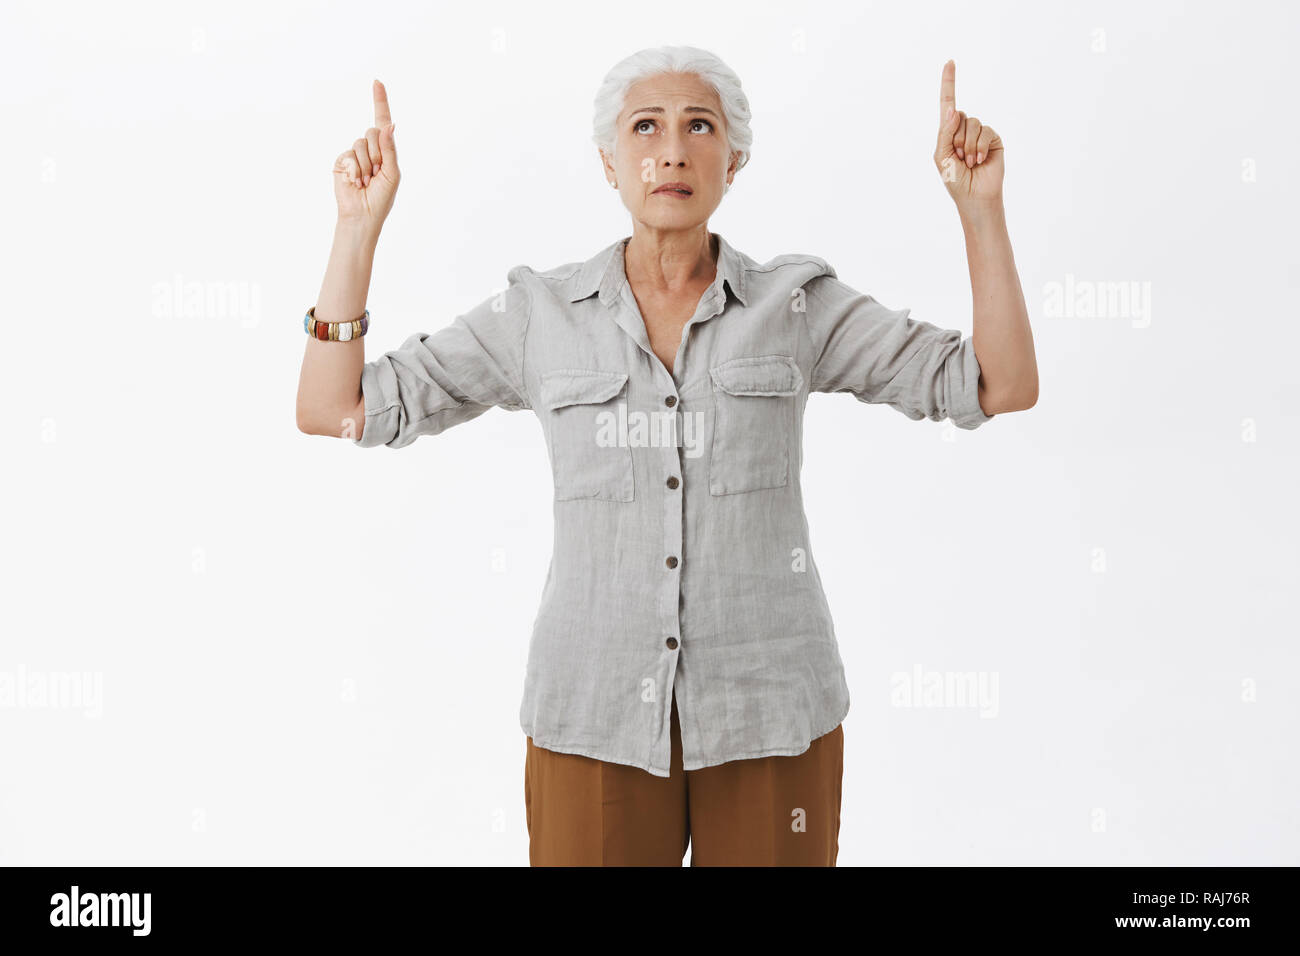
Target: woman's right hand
{"x":366,"y":176}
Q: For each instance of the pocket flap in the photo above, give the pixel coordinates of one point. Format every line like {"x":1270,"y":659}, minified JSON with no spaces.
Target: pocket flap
{"x":759,"y":375}
{"x":573,"y":386}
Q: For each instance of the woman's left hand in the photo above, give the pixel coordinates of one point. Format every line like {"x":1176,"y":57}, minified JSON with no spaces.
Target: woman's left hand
{"x":969,"y":154}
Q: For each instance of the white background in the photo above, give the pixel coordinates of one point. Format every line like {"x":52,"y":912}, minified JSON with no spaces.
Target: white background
{"x":313,"y":653}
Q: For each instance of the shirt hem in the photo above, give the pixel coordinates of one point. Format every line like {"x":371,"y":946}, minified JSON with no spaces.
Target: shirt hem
{"x":648,"y":768}
{"x":588,"y":752}
{"x":777,"y":751}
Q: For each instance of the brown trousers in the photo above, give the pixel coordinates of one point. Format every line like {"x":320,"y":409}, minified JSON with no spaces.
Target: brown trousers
{"x":768,"y":811}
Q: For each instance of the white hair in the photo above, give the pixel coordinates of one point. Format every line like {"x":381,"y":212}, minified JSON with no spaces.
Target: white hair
{"x":613,"y":90}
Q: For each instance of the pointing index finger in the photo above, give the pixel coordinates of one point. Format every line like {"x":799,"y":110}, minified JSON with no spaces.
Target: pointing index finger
{"x":382,"y":117}
{"x":947,"y":91}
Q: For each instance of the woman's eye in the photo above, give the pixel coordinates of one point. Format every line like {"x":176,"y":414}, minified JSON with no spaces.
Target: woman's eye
{"x":640,"y":123}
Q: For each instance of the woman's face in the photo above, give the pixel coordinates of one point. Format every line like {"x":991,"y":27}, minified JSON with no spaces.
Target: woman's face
{"x":671,"y":129}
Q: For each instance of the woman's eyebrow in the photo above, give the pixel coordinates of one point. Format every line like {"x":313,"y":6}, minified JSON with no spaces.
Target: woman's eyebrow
{"x":660,"y":109}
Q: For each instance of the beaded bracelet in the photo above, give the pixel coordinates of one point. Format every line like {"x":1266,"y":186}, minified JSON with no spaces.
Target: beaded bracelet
{"x":334,"y":331}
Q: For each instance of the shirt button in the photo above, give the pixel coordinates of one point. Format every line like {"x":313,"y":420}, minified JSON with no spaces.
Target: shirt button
{"x":672,"y":481}
{"x":672,"y":561}
{"x":670,"y":401}
{"x":672,"y":643}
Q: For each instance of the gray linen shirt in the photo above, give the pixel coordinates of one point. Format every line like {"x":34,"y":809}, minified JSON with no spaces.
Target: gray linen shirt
{"x":681,"y":559}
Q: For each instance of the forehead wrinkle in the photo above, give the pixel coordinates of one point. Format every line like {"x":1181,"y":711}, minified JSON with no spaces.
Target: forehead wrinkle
{"x":660,"y":109}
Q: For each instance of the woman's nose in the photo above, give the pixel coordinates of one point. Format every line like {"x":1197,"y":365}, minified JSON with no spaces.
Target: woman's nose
{"x":674,"y":150}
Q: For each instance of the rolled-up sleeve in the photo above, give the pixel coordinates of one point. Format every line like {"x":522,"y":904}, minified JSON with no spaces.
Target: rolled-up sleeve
{"x":883,"y":356}
{"x":434,"y":381}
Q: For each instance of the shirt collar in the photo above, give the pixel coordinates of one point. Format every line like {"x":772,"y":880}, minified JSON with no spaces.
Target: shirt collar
{"x":604,"y":272}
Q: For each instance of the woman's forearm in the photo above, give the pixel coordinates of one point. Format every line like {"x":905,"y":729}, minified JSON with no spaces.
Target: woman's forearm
{"x":1004,"y":343}
{"x":329,"y":384}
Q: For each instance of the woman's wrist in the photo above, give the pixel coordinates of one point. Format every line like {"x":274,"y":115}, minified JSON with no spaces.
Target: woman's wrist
{"x":357,"y":233}
{"x":983,"y":215}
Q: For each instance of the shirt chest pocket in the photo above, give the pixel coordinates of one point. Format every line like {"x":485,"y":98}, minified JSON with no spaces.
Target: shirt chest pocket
{"x":589,"y":459}
{"x":753,"y":423}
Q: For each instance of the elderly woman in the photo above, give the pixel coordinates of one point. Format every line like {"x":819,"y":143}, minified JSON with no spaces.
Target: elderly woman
{"x":683,"y":684}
